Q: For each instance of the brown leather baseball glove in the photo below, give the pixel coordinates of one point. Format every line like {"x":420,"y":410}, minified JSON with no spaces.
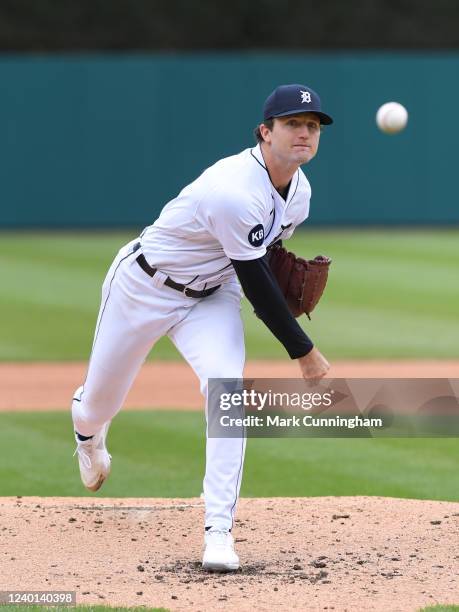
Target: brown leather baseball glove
{"x":301,"y":281}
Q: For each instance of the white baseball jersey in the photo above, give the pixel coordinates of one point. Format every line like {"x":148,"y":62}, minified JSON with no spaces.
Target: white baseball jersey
{"x":231,"y":211}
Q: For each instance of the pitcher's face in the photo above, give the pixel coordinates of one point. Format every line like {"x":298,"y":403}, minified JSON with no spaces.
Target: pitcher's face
{"x":294,"y":139}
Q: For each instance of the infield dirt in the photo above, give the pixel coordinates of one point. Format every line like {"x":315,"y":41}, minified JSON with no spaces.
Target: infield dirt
{"x":163,"y":385}
{"x":328,"y":553}
{"x":331,"y":553}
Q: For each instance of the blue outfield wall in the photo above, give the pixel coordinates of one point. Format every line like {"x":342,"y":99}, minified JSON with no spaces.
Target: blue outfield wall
{"x":107,"y":140}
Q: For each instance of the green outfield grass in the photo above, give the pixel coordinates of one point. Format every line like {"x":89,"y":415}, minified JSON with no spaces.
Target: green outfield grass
{"x":18,"y":608}
{"x":391,"y":294}
{"x":161,"y":454}
{"x":441,"y":608}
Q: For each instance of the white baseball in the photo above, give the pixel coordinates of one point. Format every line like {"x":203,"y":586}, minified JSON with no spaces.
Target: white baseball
{"x":391,"y":117}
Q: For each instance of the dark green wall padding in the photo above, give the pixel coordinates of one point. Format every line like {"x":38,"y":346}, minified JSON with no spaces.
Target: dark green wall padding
{"x":107,"y":140}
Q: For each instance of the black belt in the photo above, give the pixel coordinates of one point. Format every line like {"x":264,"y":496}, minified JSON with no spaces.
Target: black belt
{"x":143,"y":263}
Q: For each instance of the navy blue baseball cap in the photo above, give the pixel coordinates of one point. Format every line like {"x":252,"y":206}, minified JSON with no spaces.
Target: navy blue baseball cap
{"x":293,"y":99}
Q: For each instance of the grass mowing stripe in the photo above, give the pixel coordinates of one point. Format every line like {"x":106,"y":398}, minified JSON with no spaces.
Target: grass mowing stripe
{"x":150,"y":460}
{"x":415,"y":245}
{"x":387,"y":467}
{"x":161,"y":454}
{"x":354,"y":340}
{"x":441,"y":608}
{"x":51,"y":325}
{"x":377,"y":301}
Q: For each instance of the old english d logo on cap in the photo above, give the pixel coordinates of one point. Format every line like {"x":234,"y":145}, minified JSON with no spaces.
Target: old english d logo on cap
{"x":293,"y":99}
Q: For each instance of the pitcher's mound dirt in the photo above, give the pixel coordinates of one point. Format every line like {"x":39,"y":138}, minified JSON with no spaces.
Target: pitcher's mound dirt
{"x":334,"y":553}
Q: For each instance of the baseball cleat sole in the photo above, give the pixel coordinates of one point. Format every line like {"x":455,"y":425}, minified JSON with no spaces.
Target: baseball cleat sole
{"x":96,"y":486}
{"x":220,"y":567}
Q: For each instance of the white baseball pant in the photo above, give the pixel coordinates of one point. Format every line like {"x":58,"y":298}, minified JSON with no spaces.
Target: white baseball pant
{"x":136,"y":311}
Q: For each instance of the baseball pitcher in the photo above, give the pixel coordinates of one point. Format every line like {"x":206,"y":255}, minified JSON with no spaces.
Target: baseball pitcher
{"x":182,"y":277}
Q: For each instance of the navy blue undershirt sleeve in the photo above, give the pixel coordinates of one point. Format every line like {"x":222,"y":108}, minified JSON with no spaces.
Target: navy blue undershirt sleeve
{"x":263,"y":292}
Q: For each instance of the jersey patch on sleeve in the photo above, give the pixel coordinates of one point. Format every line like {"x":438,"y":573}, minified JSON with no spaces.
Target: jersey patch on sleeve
{"x":256,"y":235}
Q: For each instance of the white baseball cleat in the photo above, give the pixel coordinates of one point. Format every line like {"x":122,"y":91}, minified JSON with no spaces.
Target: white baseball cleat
{"x":94,"y":459}
{"x":219,"y":554}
